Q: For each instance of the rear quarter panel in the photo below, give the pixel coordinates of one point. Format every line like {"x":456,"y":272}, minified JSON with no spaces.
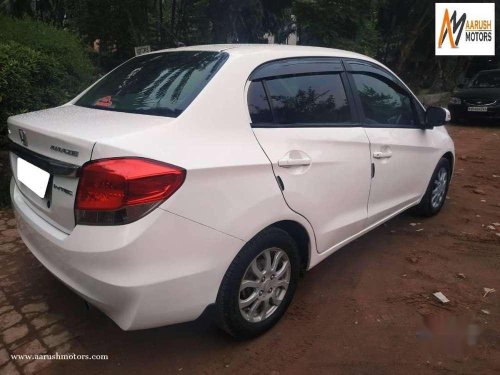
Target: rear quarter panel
{"x":230,"y":185}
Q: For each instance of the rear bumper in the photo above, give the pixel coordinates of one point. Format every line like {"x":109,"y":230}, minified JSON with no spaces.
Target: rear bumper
{"x":160,"y":270}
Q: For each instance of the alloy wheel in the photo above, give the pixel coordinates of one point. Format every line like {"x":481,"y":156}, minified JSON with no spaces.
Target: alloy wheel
{"x":439,"y":190}
{"x":264,"y":285}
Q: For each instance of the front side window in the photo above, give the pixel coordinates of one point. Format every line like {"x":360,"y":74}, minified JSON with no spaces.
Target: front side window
{"x":383,"y":101}
{"x":162,"y":84}
{"x":308,"y":99}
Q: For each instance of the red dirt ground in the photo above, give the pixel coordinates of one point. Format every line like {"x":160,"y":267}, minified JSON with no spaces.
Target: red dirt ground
{"x":367,"y":309}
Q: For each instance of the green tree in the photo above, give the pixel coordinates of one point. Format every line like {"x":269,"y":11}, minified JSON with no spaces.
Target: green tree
{"x":16,"y":8}
{"x":119,"y":25}
{"x":341,"y":24}
{"x":40,"y":66}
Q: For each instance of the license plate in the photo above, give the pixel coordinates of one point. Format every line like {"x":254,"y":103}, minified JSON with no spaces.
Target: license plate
{"x":36,"y":179}
{"x":477,"y":109}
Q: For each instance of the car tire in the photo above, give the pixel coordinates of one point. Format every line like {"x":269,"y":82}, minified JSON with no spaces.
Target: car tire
{"x":455,"y":117}
{"x":435,"y":195}
{"x":275,"y":255}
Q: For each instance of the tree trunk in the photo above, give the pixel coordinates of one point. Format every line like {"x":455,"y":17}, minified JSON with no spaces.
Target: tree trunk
{"x":160,"y":21}
{"x":423,"y":22}
{"x":172,"y":20}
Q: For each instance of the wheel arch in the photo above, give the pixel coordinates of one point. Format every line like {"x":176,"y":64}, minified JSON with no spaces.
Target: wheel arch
{"x":449,"y":156}
{"x":301,"y":237}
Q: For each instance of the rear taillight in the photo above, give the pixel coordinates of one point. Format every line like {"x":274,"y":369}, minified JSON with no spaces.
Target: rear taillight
{"x":122,"y":190}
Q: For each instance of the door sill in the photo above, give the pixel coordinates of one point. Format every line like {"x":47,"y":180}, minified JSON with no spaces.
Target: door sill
{"x":336,"y":247}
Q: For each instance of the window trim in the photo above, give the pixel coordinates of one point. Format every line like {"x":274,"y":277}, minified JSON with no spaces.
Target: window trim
{"x":354,"y":100}
{"x":374,"y":70}
{"x":299,"y":125}
{"x":298,"y":64}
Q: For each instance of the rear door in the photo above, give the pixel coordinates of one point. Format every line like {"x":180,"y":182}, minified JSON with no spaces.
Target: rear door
{"x":303,"y":117}
{"x":403,"y":153}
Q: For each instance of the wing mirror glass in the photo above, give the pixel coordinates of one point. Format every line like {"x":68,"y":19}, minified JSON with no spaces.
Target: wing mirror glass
{"x":436,"y":116}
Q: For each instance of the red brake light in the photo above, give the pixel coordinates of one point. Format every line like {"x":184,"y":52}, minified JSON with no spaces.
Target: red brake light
{"x":121,"y":190}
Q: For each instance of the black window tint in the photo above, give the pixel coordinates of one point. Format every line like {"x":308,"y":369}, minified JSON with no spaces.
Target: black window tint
{"x":309,"y":99}
{"x":384,"y":102}
{"x":161,"y":84}
{"x":258,"y":104}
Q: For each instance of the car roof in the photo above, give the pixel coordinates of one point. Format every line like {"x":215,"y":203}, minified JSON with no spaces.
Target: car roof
{"x":262,"y":53}
{"x":273,"y":50}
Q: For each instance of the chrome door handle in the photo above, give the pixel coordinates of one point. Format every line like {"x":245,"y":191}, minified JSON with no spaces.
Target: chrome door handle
{"x":382,"y":155}
{"x":288,"y":162}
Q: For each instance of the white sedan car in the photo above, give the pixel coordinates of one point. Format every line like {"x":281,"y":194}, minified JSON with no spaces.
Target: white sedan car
{"x":216,"y":174}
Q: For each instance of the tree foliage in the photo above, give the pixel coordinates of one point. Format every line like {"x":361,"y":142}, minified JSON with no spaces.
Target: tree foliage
{"x":399,"y":33}
{"x":40,"y":66}
{"x":341,"y":24}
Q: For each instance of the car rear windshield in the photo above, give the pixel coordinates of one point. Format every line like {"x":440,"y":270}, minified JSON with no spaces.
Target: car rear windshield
{"x":161,"y":84}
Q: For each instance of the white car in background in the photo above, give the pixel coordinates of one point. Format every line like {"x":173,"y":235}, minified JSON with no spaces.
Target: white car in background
{"x":216,"y":174}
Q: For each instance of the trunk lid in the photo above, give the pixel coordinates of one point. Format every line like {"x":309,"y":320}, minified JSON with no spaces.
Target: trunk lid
{"x":59,"y":141}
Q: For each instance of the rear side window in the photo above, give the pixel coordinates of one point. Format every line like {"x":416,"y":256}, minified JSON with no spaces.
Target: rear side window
{"x":162,"y":84}
{"x":309,"y":99}
{"x":383,"y":101}
{"x":258,"y":105}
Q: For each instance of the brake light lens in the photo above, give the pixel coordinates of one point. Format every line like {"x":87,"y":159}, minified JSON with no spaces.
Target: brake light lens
{"x":122,"y":190}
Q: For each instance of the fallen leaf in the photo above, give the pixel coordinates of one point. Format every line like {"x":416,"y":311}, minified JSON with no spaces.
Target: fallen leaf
{"x":441,"y":297}
{"x":488,"y":291}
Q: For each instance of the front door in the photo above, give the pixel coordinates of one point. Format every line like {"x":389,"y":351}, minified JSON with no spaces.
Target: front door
{"x":401,"y":149}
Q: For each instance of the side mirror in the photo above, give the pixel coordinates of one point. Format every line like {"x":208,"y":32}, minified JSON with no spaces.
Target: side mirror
{"x":436,"y":116}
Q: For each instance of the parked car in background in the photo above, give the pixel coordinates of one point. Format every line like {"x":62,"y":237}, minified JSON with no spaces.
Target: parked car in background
{"x":216,"y":174}
{"x":479,"y":100}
